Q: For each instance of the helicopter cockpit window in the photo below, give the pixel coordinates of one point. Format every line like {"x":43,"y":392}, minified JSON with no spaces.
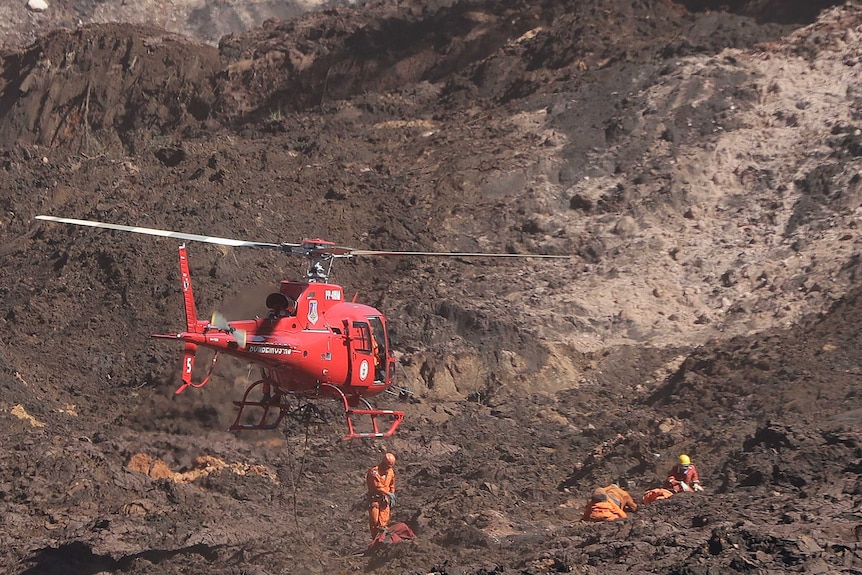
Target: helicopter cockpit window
{"x":378,"y":348}
{"x":363,"y":343}
{"x":377,"y":332}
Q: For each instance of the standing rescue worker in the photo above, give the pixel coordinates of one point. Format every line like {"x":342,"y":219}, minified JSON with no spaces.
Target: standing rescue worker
{"x":381,"y":494}
{"x":600,"y":507}
{"x":683,"y":476}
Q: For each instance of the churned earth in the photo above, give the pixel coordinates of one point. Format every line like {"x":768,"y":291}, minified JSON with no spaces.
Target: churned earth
{"x":699,"y":161}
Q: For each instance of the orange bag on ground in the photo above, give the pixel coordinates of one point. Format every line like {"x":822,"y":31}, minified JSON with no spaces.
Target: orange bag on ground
{"x":656,"y":494}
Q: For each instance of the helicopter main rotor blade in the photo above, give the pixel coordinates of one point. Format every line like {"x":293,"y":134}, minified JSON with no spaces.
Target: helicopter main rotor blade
{"x":315,"y":248}
{"x":168,"y":233}
{"x":453,"y":254}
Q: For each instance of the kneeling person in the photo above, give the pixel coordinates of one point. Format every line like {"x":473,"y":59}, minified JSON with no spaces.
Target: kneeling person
{"x":621,"y":497}
{"x":600,"y":507}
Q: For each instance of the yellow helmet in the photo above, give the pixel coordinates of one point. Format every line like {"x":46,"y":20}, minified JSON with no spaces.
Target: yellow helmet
{"x":684,"y":460}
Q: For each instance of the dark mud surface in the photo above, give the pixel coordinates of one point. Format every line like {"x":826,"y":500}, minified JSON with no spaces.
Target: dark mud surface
{"x":439,"y":126}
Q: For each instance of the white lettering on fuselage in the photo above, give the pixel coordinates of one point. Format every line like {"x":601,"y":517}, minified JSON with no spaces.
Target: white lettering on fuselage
{"x":272,"y":350}
{"x":332,"y":294}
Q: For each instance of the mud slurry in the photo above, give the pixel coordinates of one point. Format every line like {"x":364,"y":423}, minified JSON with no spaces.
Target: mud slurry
{"x":479,"y":126}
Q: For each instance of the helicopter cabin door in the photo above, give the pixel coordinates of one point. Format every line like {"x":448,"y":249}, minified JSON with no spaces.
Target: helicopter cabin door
{"x":368,"y":352}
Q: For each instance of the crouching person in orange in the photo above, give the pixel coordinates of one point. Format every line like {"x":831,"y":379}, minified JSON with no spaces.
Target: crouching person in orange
{"x":381,"y":494}
{"x":683,"y":476}
{"x":621,"y":497}
{"x":600,"y":507}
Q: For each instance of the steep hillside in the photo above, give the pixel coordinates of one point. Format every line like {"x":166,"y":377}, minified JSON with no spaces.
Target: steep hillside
{"x":698,"y":162}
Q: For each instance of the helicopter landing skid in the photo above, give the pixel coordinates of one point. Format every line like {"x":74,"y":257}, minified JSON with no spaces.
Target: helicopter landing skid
{"x":272,"y":411}
{"x":349,"y":412}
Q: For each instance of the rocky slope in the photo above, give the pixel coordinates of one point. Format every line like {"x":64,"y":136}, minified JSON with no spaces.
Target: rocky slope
{"x":699,"y":163}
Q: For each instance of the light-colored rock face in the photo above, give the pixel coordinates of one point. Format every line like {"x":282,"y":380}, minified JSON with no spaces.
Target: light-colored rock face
{"x":749,"y":225}
{"x":205,"y":20}
{"x":37,"y":5}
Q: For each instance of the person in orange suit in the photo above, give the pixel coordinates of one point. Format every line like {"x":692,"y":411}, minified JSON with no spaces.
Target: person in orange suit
{"x":600,"y":507}
{"x":621,"y":497}
{"x":375,"y":353}
{"x":381,"y":494}
{"x":683,"y":476}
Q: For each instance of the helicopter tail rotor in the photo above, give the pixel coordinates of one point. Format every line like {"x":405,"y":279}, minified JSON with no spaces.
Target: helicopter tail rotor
{"x":219,"y":322}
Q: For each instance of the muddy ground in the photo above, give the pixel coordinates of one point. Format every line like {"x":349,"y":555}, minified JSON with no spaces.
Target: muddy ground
{"x":699,"y":161}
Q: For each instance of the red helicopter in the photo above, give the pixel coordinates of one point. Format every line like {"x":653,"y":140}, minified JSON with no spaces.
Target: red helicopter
{"x":311,"y":344}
